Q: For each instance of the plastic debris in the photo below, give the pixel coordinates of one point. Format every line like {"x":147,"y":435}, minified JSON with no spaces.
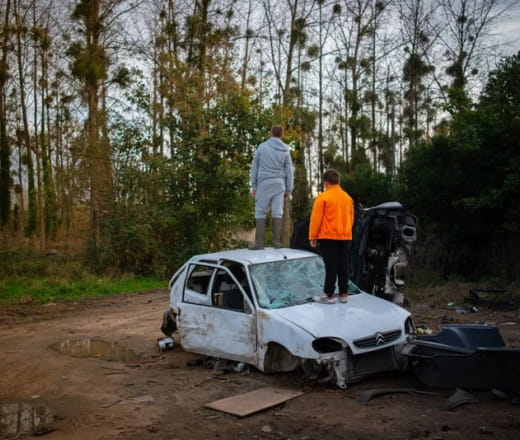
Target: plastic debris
{"x":458,"y":398}
{"x":424,"y":330}
{"x":165,"y":343}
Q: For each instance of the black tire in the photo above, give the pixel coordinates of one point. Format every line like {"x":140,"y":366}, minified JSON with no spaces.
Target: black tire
{"x":169,"y":325}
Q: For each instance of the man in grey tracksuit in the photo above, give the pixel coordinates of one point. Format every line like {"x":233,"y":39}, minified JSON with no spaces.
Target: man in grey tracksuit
{"x":271,"y":184}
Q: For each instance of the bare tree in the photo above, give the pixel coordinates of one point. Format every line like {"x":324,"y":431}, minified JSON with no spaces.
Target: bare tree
{"x":419,"y":33}
{"x":464,"y":42}
{"x":356,"y":27}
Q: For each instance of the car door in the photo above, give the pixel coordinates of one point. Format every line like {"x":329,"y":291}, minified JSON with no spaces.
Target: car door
{"x":215,"y":316}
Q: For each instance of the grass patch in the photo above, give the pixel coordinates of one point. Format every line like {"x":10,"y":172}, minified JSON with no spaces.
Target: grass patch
{"x":43,"y":290}
{"x":29,"y":278}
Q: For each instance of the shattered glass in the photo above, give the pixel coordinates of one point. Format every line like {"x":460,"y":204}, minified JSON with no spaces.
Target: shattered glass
{"x":289,"y":282}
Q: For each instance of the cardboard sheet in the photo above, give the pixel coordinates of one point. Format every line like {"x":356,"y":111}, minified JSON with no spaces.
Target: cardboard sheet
{"x":248,"y":403}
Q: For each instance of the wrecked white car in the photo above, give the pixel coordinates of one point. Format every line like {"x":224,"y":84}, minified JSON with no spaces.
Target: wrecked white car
{"x":256,"y":307}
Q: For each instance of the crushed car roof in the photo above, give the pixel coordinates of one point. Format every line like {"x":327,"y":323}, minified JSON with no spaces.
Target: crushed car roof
{"x":247,"y":256}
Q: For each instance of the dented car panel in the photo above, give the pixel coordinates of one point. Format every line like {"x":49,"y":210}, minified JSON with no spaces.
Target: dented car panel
{"x":330,"y":322}
{"x":214,"y":332}
{"x":276,"y":328}
{"x":256,"y":307}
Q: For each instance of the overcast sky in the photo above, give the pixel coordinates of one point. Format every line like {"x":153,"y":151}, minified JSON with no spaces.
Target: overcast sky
{"x":509,"y":27}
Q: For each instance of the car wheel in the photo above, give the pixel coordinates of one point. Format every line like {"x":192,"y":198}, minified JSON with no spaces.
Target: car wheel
{"x":168,"y":325}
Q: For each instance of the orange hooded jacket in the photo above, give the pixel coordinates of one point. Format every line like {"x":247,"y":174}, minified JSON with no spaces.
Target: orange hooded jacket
{"x":332,"y":215}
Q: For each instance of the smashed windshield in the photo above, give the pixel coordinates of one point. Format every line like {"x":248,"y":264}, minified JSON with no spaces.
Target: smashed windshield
{"x":289,"y":282}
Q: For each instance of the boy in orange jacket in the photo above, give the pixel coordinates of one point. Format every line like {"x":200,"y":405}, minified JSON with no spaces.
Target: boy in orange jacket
{"x":331,"y":224}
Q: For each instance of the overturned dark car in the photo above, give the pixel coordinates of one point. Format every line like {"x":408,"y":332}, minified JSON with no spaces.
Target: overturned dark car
{"x":383,"y":237}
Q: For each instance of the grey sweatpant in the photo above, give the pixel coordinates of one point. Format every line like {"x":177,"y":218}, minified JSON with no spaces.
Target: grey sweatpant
{"x":269,"y":193}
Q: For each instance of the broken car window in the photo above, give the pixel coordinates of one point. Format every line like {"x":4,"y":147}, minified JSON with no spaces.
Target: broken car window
{"x":286,"y":283}
{"x":197,"y":285}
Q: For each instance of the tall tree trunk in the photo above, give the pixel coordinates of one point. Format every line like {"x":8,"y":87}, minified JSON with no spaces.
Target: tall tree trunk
{"x":98,"y":155}
{"x":25,"y":131}
{"x":245,"y":61}
{"x":48,"y":179}
{"x":5,"y":149}
{"x":320,"y":100}
{"x":21,"y":200}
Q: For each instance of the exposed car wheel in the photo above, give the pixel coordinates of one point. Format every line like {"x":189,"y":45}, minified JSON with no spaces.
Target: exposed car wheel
{"x":278,"y":358}
{"x":168,"y":325}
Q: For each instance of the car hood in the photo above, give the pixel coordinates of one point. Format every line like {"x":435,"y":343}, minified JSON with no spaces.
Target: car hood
{"x":364,"y":315}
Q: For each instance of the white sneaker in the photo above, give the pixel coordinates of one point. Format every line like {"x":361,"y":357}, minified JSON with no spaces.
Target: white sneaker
{"x":324,"y":299}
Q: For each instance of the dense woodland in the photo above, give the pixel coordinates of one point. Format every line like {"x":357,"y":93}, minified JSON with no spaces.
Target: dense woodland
{"x":127,"y":128}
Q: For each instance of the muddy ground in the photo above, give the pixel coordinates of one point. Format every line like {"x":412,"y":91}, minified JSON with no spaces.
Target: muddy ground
{"x":153,"y":395}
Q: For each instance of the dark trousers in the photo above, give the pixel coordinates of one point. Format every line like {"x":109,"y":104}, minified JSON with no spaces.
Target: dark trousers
{"x":335,"y":256}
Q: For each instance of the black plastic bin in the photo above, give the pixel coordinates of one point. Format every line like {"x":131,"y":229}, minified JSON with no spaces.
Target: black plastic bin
{"x":466,"y":356}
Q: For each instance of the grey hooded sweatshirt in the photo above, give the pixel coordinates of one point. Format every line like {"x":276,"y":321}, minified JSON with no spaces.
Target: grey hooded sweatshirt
{"x":272,"y":160}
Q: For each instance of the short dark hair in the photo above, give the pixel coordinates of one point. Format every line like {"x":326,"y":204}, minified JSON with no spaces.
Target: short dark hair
{"x":277,"y":131}
{"x":332,"y":176}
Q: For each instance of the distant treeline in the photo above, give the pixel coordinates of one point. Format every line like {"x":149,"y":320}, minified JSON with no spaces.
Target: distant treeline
{"x":127,"y":128}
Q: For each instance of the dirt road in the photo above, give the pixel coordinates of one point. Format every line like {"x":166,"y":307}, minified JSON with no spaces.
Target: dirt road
{"x":129,"y":390}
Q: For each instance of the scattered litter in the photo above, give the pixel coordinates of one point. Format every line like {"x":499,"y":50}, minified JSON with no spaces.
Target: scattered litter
{"x":266,"y":428}
{"x":219,"y":366}
{"x":165,"y":344}
{"x":223,"y":366}
{"x":143,"y":399}
{"x":424,"y":330}
{"x":111,"y":403}
{"x":207,"y":361}
{"x":253,"y":401}
{"x":502,"y":395}
{"x":446,"y":319}
{"x":240,"y":367}
{"x":458,"y":398}
{"x":365,"y":396}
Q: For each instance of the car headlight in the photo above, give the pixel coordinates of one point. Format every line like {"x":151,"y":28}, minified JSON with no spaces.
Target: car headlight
{"x":327,"y":345}
{"x":409,"y":326}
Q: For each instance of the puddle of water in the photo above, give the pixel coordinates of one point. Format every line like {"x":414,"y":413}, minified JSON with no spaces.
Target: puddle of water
{"x":17,"y":418}
{"x":95,"y":348}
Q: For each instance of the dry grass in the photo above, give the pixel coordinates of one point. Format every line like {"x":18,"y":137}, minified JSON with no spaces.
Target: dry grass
{"x":440,"y":294}
{"x":451,"y":292}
